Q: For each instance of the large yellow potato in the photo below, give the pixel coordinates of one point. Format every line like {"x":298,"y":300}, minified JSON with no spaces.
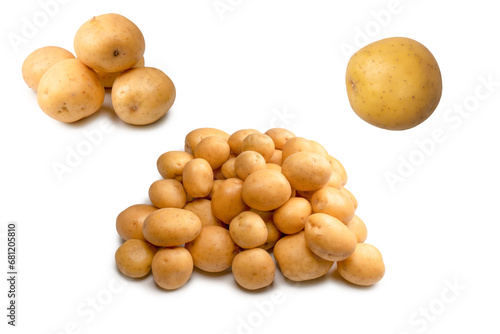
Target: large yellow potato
{"x":142,"y":95}
{"x":394,"y":83}
{"x":39,"y":61}
{"x":109,"y":43}
{"x":70,"y":91}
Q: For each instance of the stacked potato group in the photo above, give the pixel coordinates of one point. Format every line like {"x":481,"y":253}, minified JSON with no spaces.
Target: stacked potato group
{"x":228,"y":201}
{"x":109,"y":50}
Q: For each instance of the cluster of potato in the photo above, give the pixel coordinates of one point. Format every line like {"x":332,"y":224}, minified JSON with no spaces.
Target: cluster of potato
{"x":228,"y":201}
{"x":109,"y":54}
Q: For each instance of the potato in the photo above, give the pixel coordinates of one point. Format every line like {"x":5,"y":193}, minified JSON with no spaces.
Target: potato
{"x":306,"y":171}
{"x":172,"y":267}
{"x":279,"y":136}
{"x":364,"y":267}
{"x":299,"y":144}
{"x":266,"y":190}
{"x":108,"y":78}
{"x":277,"y":157}
{"x":253,"y":269}
{"x":133,"y":258}
{"x":296,"y":261}
{"x":197,"y":178}
{"x":358,"y":227}
{"x":335,"y":181}
{"x":291,"y":217}
{"x":216,"y":185}
{"x":328,"y":237}
{"x":228,"y":170}
{"x":334,"y":203}
{"x":129,"y":221}
{"x":109,"y":43}
{"x":39,"y":61}
{"x":203,"y":209}
{"x":248,"y":230}
{"x":248,"y":162}
{"x":227,"y":200}
{"x":214,"y":150}
{"x":236,"y":139}
{"x":258,"y":142}
{"x":195,"y":136}
{"x":351,"y":196}
{"x":273,"y":166}
{"x":339,"y":168}
{"x":273,"y":235}
{"x":213,"y":250}
{"x":70,"y":91}
{"x":168,"y":193}
{"x":142,"y":95}
{"x":394,"y":83}
{"x":171,"y":164}
{"x":169,"y":227}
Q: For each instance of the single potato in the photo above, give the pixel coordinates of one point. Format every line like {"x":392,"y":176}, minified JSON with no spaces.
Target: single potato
{"x":266,"y":190}
{"x":227,"y":201}
{"x":197,"y":178}
{"x":306,"y":171}
{"x":291,"y":217}
{"x":279,"y":136}
{"x":109,"y":43}
{"x":253,"y":269}
{"x":171,"y":164}
{"x":70,"y":91}
{"x":129,"y":221}
{"x":334,"y":203}
{"x":133,"y":258}
{"x":394,"y":83}
{"x":358,"y":227}
{"x":214,"y":150}
{"x":364,"y":267}
{"x":142,"y":95}
{"x":248,"y":230}
{"x":248,"y":162}
{"x":228,"y":169}
{"x":172,"y":267}
{"x":39,"y":61}
{"x":167,"y":193}
{"x":258,"y":142}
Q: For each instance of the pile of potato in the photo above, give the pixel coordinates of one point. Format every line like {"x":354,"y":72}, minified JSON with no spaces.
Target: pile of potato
{"x":109,"y":54}
{"x":228,"y":201}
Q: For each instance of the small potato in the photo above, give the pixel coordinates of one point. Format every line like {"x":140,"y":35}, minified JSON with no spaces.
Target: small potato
{"x":334,"y":203}
{"x":266,"y":190}
{"x":227,"y":200}
{"x":273,"y":166}
{"x":195,"y":136}
{"x":279,"y":136}
{"x":358,"y":227}
{"x":258,"y":142}
{"x":236,"y":139}
{"x":129,"y":221}
{"x":108,"y":78}
{"x":214,"y":150}
{"x":109,"y":43}
{"x":364,"y":267}
{"x":339,"y":168}
{"x":228,"y":169}
{"x":133,"y":258}
{"x":277,"y":157}
{"x":39,"y":61}
{"x":70,"y":91}
{"x":142,"y":95}
{"x":171,"y":164}
{"x":203,"y":209}
{"x":167,"y":193}
{"x":253,"y":269}
{"x":248,"y":230}
{"x":172,"y":267}
{"x":351,"y":196}
{"x":171,"y":227}
{"x":299,"y":144}
{"x":197,"y":178}
{"x":273,"y":235}
{"x":248,"y":162}
{"x":306,"y":171}
{"x":213,"y":250}
{"x":291,"y":217}
{"x":296,"y":261}
{"x":328,"y":237}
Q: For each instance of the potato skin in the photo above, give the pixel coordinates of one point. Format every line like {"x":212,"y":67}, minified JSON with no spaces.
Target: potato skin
{"x":39,"y":61}
{"x":306,"y":171}
{"x":296,"y":261}
{"x":196,"y":135}
{"x":227,"y":200}
{"x":215,"y":150}
{"x":334,"y":203}
{"x":237,"y":138}
{"x":170,"y":227}
{"x":133,"y":258}
{"x":279,"y":136}
{"x":248,"y":230}
{"x":253,"y":269}
{"x":328,"y":237}
{"x":291,"y":217}
{"x":258,"y":142}
{"x":108,"y":78}
{"x":202,"y":207}
{"x":213,"y":250}
{"x":109,"y":43}
{"x":266,"y":190}
{"x":70,"y":91}
{"x":358,"y":227}
{"x":129,"y":221}
{"x":197,"y":178}
{"x":172,"y":267}
{"x":167,"y":193}
{"x":364,"y":267}
{"x":142,"y":95}
{"x":394,"y":83}
{"x":171,"y":164}
{"x":248,"y":162}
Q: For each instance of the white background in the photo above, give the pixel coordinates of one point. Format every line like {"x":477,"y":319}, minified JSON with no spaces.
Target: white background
{"x":260,"y":64}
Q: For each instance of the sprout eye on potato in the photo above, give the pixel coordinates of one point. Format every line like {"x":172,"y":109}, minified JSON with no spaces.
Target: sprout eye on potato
{"x":221,"y":207}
